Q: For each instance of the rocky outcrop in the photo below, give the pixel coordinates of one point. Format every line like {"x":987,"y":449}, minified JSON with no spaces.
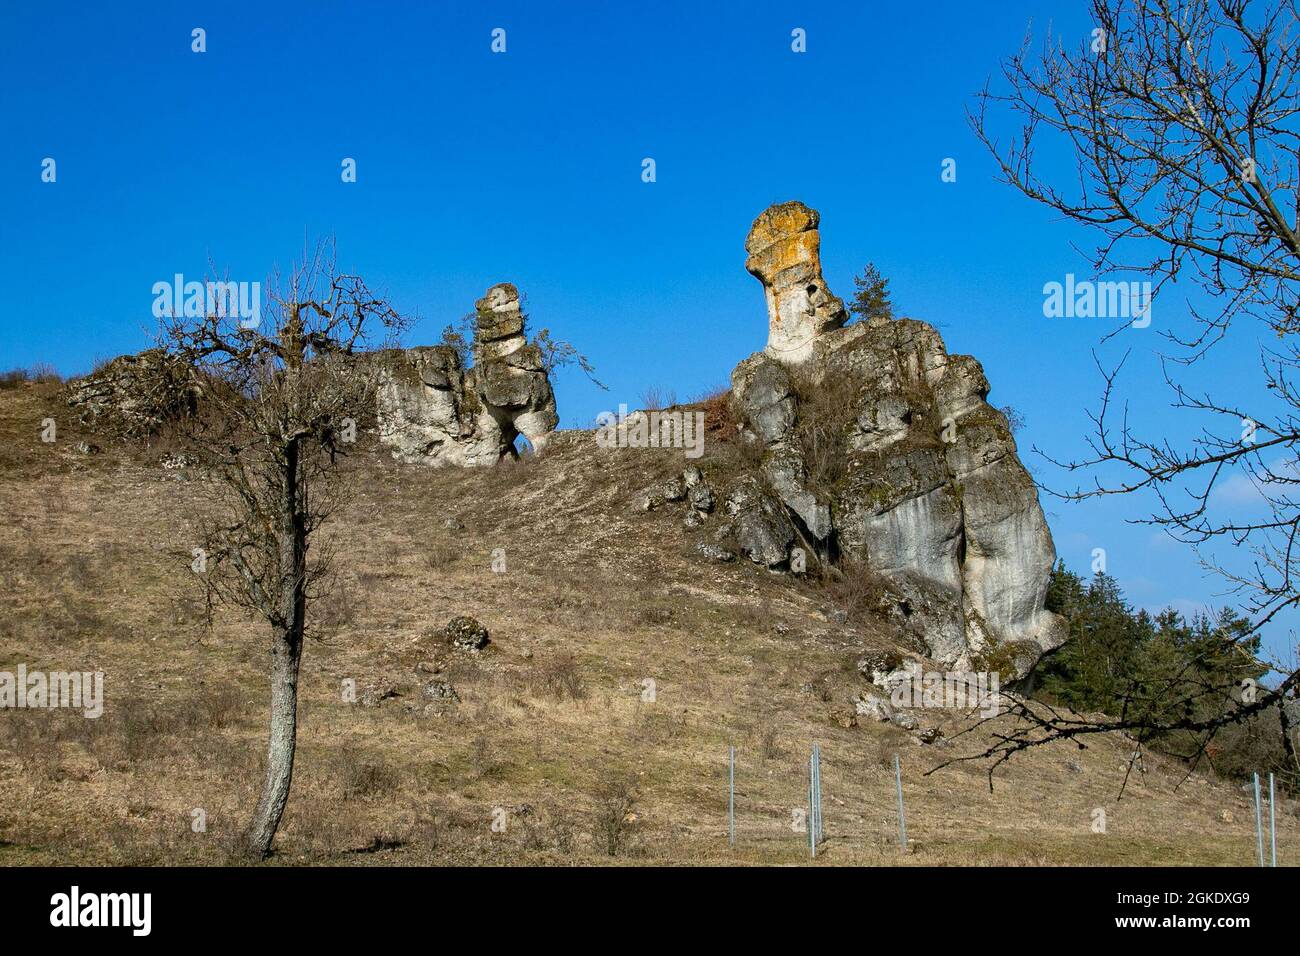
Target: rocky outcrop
{"x":690,"y":486}
{"x":466,"y":634}
{"x":433,"y":411}
{"x":881,"y":448}
{"x":133,"y":395}
{"x":760,"y":524}
{"x":429,"y":414}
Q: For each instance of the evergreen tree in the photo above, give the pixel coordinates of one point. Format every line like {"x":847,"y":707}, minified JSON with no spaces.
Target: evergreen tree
{"x":1160,"y":668}
{"x":871,"y":296}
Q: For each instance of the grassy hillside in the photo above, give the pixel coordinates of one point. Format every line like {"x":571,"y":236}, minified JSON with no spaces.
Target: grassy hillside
{"x":550,"y":727}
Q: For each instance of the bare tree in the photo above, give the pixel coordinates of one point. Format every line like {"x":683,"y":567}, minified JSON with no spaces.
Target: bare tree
{"x":1181,"y":117}
{"x":1182,"y":121}
{"x":278,"y":405}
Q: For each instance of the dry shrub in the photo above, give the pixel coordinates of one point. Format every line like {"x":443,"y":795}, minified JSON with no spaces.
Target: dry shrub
{"x":720,"y":422}
{"x":483,"y":759}
{"x":653,"y":615}
{"x":40,"y":373}
{"x":658,"y":726}
{"x":890,"y":741}
{"x":863,"y":594}
{"x":34,"y":738}
{"x":730,"y":455}
{"x":560,"y":677}
{"x":564,"y":830}
{"x":769,"y":747}
{"x":758,"y":617}
{"x":364,"y":779}
{"x":140,"y":731}
{"x":220,"y":707}
{"x":333,"y":609}
{"x":827,"y":408}
{"x":183,"y":609}
{"x":370,"y":580}
{"x":555,"y":831}
{"x":13,"y":378}
{"x":656,"y":398}
{"x":440,"y":555}
{"x":612,"y":818}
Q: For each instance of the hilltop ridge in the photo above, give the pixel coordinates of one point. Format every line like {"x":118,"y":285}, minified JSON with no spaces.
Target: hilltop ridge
{"x":549,"y":723}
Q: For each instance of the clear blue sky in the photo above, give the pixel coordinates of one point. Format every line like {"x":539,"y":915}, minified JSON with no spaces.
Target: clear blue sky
{"x":475,"y":168}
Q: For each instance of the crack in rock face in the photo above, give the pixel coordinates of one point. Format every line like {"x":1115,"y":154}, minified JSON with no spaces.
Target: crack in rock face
{"x":433,"y":411}
{"x":926,"y":487}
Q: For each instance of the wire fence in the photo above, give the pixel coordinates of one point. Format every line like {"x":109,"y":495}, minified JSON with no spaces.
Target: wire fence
{"x":823,"y":819}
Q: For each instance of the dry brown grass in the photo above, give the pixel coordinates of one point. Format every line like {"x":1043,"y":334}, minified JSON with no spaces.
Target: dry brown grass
{"x":596,"y":598}
{"x":559,"y":677}
{"x":41,"y":374}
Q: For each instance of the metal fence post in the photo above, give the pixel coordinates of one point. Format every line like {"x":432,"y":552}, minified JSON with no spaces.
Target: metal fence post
{"x":1272,"y":820}
{"x":817,"y":794}
{"x":808,"y":822}
{"x":1259,"y":823}
{"x":731,"y":796}
{"x":820,"y":829}
{"x":902,"y":821}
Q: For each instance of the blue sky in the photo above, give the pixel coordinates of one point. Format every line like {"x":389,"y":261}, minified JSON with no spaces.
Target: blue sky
{"x":475,"y":168}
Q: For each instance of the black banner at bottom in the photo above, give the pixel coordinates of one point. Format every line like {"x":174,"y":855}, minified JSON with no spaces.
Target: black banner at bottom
{"x":357,"y":904}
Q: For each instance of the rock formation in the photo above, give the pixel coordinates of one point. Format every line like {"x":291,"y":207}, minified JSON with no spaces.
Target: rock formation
{"x":880,"y":447}
{"x":510,"y":377}
{"x":133,"y":395}
{"x":784,"y":249}
{"x":429,"y":413}
{"x":434,"y":411}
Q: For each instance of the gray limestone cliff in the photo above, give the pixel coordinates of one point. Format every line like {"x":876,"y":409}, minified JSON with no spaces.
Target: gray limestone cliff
{"x":883,"y":449}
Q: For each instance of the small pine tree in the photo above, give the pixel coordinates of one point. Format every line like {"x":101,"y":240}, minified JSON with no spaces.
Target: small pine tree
{"x":871,"y":296}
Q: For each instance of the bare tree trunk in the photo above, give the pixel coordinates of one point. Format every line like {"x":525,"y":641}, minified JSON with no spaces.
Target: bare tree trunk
{"x":286,"y":655}
{"x":1290,"y":714}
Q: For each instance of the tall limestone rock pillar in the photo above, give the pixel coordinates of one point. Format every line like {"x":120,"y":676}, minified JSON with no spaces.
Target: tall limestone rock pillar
{"x":784,"y":249}
{"x":509,"y":375}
